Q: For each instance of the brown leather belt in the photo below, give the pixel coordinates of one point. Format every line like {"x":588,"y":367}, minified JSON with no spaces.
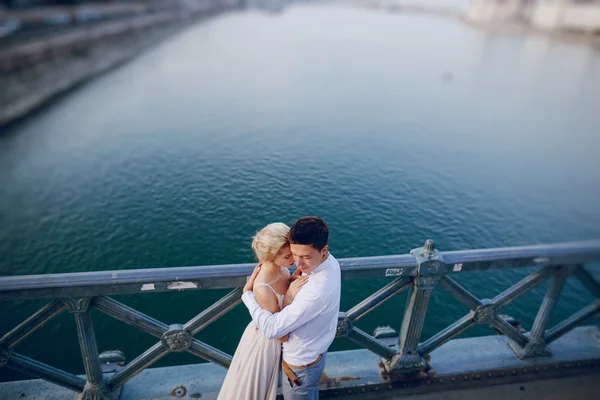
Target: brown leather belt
{"x":307,"y":365}
{"x":291,"y":375}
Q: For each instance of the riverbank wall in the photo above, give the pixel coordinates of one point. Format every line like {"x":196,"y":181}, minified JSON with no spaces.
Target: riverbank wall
{"x":36,"y":70}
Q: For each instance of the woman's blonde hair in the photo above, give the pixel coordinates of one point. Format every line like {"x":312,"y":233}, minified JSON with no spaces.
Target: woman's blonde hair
{"x":267,"y":242}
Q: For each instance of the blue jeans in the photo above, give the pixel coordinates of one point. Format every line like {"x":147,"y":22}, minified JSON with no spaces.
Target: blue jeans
{"x":309,"y":379}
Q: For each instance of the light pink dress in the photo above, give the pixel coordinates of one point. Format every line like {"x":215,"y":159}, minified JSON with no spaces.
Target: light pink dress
{"x":254,"y":370}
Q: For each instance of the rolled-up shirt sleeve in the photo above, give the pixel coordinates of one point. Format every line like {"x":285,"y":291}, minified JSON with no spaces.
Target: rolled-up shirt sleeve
{"x":306,"y":306}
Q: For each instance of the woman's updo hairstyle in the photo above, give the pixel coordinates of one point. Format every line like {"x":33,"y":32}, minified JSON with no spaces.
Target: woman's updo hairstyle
{"x":267,"y":242}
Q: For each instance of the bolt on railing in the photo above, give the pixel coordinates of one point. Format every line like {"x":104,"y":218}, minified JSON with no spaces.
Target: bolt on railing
{"x":420,"y":271}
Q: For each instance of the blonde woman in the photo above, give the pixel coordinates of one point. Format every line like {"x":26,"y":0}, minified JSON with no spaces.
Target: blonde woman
{"x":254,"y":370}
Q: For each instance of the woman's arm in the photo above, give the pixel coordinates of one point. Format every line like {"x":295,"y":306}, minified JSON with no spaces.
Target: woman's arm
{"x":266,"y":299}
{"x":284,"y":338}
{"x":285,"y":275}
{"x":293,"y":290}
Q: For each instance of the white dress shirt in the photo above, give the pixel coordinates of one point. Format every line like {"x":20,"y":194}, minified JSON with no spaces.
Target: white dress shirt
{"x":311,"y":319}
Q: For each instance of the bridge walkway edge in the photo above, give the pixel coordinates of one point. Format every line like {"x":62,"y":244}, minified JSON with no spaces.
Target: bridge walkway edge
{"x":478,"y":367}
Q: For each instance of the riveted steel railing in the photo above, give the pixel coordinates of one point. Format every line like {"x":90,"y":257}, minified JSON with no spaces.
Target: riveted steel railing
{"x":420,"y":272}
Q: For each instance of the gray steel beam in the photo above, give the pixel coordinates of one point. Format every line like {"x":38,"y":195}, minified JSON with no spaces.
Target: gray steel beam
{"x":40,"y":370}
{"x":370,"y":343}
{"x":378,"y":298}
{"x":158,"y":329}
{"x":510,"y":331}
{"x":144,"y":360}
{"x":524,"y":286}
{"x":536,"y":347}
{"x":407,"y":357}
{"x":94,"y":387}
{"x":571,"y":322}
{"x":162,"y":348}
{"x":210,"y":353}
{"x":414,"y":319}
{"x":431,"y":267}
{"x":89,"y":284}
{"x":459,"y":292}
{"x":526,"y":256}
{"x":130,"y":316}
{"x":547,"y":307}
{"x":155,"y":280}
{"x":89,"y":348}
{"x":215,"y":311}
{"x":588,"y":281}
{"x":445,"y":335}
{"x":33,"y":323}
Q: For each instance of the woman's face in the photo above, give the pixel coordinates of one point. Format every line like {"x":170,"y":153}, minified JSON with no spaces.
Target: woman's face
{"x":284,"y":257}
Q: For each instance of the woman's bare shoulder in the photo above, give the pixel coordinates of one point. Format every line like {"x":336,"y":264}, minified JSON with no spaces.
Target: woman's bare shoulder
{"x":266,"y":276}
{"x":261,"y":277}
{"x":265,"y":296}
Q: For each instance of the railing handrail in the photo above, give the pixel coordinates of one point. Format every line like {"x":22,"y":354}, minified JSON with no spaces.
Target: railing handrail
{"x":97,"y":283}
{"x":421,"y":272}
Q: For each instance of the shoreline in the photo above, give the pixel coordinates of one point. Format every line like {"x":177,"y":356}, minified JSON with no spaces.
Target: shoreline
{"x":36,"y":72}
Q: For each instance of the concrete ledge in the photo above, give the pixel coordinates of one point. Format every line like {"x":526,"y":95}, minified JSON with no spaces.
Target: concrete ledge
{"x":472,"y":368}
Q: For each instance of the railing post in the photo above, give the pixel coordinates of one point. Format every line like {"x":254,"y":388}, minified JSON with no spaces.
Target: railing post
{"x":4,"y":356}
{"x":536,"y":346}
{"x":95,"y":387}
{"x":429,"y":271}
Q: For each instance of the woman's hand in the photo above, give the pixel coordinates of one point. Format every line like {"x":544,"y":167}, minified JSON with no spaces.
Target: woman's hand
{"x":295,"y":287}
{"x":297,"y":274}
{"x":284,"y":339}
{"x":250,"y":283}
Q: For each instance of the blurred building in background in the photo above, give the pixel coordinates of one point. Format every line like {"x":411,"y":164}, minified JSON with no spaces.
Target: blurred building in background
{"x":578,"y":15}
{"x":498,"y":10}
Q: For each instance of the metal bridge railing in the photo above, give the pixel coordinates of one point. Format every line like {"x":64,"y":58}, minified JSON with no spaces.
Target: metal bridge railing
{"x":420,"y":271}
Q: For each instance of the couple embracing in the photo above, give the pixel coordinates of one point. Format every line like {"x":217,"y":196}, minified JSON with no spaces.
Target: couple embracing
{"x":297,"y":313}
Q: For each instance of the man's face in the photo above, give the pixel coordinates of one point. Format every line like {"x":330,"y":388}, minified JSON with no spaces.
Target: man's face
{"x":307,"y":257}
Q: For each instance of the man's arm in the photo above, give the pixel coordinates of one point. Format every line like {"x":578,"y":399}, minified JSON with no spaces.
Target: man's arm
{"x":306,"y":306}
{"x":291,"y":293}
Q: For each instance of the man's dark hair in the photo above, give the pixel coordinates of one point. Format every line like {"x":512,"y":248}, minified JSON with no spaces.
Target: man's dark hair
{"x":311,"y":231}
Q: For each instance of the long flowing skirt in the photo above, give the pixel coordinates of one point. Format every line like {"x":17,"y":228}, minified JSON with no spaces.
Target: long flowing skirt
{"x":254,"y":370}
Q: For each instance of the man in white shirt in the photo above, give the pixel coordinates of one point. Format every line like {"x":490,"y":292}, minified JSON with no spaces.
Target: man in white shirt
{"x":311,"y":319}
